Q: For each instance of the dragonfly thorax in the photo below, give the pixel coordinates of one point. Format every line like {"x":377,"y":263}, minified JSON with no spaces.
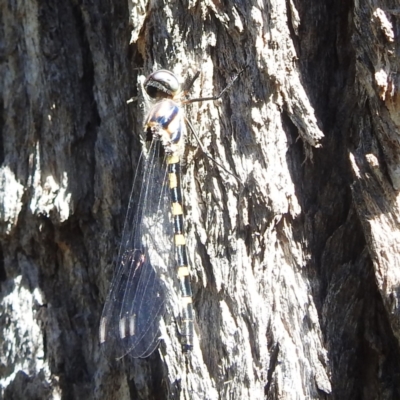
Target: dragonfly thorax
{"x":166,"y":123}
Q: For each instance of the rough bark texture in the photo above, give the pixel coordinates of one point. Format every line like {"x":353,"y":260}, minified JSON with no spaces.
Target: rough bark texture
{"x":295,"y":268}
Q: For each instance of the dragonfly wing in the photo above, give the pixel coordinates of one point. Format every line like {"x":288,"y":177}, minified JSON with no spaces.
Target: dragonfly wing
{"x":136,"y":301}
{"x":131,"y":316}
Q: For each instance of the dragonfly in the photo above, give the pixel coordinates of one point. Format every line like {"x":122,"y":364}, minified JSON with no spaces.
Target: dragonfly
{"x":151,"y":243}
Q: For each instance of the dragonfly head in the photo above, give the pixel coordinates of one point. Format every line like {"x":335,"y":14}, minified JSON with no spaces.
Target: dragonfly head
{"x":162,"y":84}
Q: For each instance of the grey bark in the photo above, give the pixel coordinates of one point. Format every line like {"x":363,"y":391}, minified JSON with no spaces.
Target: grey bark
{"x":295,"y":268}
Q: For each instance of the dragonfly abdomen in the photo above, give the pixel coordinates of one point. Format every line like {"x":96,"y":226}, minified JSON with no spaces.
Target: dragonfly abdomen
{"x":181,"y":253}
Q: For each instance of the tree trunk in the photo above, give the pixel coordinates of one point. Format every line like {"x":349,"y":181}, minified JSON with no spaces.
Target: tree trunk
{"x":294,"y":265}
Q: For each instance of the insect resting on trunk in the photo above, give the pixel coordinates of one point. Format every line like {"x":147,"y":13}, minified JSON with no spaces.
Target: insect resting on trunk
{"x":136,"y":301}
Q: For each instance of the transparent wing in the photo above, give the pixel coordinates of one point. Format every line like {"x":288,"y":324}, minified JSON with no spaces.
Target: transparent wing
{"x":136,"y":301}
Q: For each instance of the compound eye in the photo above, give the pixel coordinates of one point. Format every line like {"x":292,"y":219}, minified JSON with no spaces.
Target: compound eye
{"x":162,"y":83}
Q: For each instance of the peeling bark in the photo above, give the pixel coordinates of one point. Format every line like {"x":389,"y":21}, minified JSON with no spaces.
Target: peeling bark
{"x":295,"y":267}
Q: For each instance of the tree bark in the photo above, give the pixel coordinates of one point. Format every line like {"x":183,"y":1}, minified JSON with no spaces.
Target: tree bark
{"x":294,"y":265}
